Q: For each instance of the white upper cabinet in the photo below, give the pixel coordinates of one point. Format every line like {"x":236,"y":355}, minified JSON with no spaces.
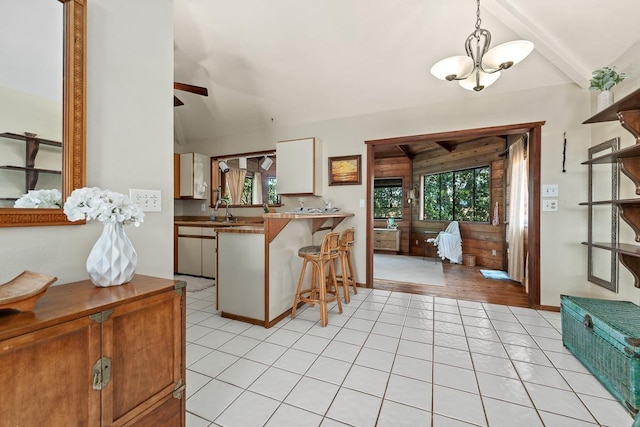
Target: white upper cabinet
{"x":194,"y":169}
{"x":299,"y":167}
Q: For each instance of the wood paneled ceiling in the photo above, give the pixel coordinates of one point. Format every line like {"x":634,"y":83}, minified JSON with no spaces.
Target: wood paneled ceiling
{"x":412,"y":148}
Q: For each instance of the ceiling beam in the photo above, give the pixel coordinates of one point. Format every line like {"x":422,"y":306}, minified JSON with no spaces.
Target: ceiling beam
{"x":446,"y":145}
{"x":556,"y":53}
{"x":405,"y":150}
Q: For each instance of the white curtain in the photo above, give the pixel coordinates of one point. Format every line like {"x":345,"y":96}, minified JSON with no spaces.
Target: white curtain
{"x":235,"y":182}
{"x":256,"y":190}
{"x":518,"y":199}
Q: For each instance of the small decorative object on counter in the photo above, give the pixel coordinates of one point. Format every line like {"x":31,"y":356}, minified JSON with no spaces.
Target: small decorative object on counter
{"x":391,"y":223}
{"x":113,"y":260}
{"x":22,"y":292}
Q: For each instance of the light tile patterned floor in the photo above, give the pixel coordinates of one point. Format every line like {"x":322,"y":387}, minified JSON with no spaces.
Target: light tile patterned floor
{"x":391,"y":359}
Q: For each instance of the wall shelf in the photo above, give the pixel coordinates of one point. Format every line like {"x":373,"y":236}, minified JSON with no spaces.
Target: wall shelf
{"x":32,"y":146}
{"x":627,"y":112}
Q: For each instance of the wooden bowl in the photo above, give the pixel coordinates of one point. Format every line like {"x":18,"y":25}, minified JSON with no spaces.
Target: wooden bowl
{"x":22,"y":292}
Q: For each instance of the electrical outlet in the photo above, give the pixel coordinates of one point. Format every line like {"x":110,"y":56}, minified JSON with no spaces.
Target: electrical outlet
{"x":203,"y":207}
{"x":417,"y":242}
{"x":550,"y":205}
{"x":148,"y":200}
{"x":494,"y":252}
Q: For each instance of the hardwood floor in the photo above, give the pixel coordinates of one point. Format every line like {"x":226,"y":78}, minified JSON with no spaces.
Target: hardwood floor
{"x":465,"y":283}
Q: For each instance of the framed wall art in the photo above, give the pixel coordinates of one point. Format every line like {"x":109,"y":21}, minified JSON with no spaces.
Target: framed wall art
{"x":345,"y":170}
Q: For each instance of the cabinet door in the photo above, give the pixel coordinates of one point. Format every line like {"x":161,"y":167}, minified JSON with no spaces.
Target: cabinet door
{"x":190,"y":255}
{"x":209,"y":247}
{"x":144,"y":340}
{"x":194,"y":169}
{"x":46,"y":376}
{"x":298,"y":167}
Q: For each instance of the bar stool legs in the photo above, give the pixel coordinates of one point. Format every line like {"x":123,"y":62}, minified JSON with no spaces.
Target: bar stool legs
{"x":319,"y":257}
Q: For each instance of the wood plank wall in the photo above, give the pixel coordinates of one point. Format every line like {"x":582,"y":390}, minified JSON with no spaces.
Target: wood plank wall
{"x":478,"y":239}
{"x":397,"y":168}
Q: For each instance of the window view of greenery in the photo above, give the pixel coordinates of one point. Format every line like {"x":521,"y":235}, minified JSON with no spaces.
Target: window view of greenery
{"x":387,"y":198}
{"x":271,"y":188}
{"x":246,"y":191}
{"x":247,"y":194}
{"x":461,"y":195}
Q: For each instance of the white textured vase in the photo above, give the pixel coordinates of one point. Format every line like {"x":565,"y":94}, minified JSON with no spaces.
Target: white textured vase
{"x":605,"y":98}
{"x":113,"y":260}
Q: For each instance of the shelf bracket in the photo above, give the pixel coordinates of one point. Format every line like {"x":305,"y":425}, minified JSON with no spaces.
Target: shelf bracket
{"x":630,"y":166}
{"x":631,"y":215}
{"x":273,"y":227}
{"x":630,"y":120}
{"x":316,"y":224}
{"x":632,"y":264}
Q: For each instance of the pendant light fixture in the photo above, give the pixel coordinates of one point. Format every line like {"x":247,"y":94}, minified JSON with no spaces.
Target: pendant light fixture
{"x":481,"y":67}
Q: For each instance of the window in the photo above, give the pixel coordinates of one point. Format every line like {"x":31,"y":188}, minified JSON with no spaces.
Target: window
{"x":461,"y":195}
{"x":387,"y":198}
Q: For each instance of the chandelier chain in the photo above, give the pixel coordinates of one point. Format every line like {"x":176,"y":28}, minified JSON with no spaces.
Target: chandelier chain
{"x":478,"y":20}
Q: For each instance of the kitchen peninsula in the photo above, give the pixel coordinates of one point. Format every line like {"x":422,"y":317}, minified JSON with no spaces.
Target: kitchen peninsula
{"x":258,"y":266}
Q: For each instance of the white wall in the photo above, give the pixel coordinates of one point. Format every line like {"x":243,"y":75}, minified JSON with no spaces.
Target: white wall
{"x":563,"y":258}
{"x":129,"y":141}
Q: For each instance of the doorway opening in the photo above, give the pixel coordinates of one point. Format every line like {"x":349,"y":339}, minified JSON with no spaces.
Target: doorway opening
{"x":384,"y":153}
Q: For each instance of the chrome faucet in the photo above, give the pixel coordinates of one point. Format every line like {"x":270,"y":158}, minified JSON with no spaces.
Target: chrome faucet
{"x":227,"y":214}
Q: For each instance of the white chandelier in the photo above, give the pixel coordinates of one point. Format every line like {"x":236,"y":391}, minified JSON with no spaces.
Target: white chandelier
{"x":481,"y":67}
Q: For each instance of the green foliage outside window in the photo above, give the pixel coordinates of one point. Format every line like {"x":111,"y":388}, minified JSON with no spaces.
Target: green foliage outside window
{"x":387,"y":198}
{"x":461,"y":195}
{"x":271,"y":189}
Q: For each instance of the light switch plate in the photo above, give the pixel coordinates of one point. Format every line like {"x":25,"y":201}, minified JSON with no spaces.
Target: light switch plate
{"x":148,"y":200}
{"x":550,"y":190}
{"x":550,"y":205}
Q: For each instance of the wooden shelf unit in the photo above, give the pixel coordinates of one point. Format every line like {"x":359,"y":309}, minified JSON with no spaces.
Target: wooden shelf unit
{"x":627,"y":111}
{"x":32,"y":146}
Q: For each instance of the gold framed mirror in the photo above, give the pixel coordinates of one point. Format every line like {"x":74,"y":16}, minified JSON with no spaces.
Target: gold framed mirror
{"x":74,"y":118}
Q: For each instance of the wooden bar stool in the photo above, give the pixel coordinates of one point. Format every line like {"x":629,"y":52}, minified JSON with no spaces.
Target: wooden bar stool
{"x":347,"y":275}
{"x":319,"y":257}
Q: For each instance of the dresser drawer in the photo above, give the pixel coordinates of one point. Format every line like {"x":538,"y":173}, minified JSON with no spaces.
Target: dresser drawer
{"x":387,"y":240}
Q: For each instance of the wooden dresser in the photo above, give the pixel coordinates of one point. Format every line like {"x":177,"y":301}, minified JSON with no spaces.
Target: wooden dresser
{"x":88,"y":356}
{"x":386,"y":239}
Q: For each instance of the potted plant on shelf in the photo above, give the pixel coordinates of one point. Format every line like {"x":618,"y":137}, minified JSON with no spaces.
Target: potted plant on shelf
{"x":604,"y":79}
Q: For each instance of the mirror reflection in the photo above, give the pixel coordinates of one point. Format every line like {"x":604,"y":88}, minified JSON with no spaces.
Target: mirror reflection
{"x":245,"y":180}
{"x":31,"y":101}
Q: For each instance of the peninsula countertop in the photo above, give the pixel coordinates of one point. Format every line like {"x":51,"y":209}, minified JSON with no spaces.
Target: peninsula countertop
{"x":275,"y":222}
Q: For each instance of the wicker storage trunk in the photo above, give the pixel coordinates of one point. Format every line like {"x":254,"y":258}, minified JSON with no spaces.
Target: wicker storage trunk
{"x":605,"y":336}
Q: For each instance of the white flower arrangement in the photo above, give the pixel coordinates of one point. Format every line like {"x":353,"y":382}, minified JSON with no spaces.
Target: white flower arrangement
{"x":104,"y":205}
{"x":44,"y":199}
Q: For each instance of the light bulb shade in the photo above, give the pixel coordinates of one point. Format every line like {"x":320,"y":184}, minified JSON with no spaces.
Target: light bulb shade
{"x":458,"y":66}
{"x":509,"y":53}
{"x":486,"y":80}
{"x":266,"y":163}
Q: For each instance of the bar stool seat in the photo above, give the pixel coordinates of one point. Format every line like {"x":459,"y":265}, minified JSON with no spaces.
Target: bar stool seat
{"x":320,"y":257}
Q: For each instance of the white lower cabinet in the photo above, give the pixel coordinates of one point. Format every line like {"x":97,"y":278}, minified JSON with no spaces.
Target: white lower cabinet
{"x":197,"y":248}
